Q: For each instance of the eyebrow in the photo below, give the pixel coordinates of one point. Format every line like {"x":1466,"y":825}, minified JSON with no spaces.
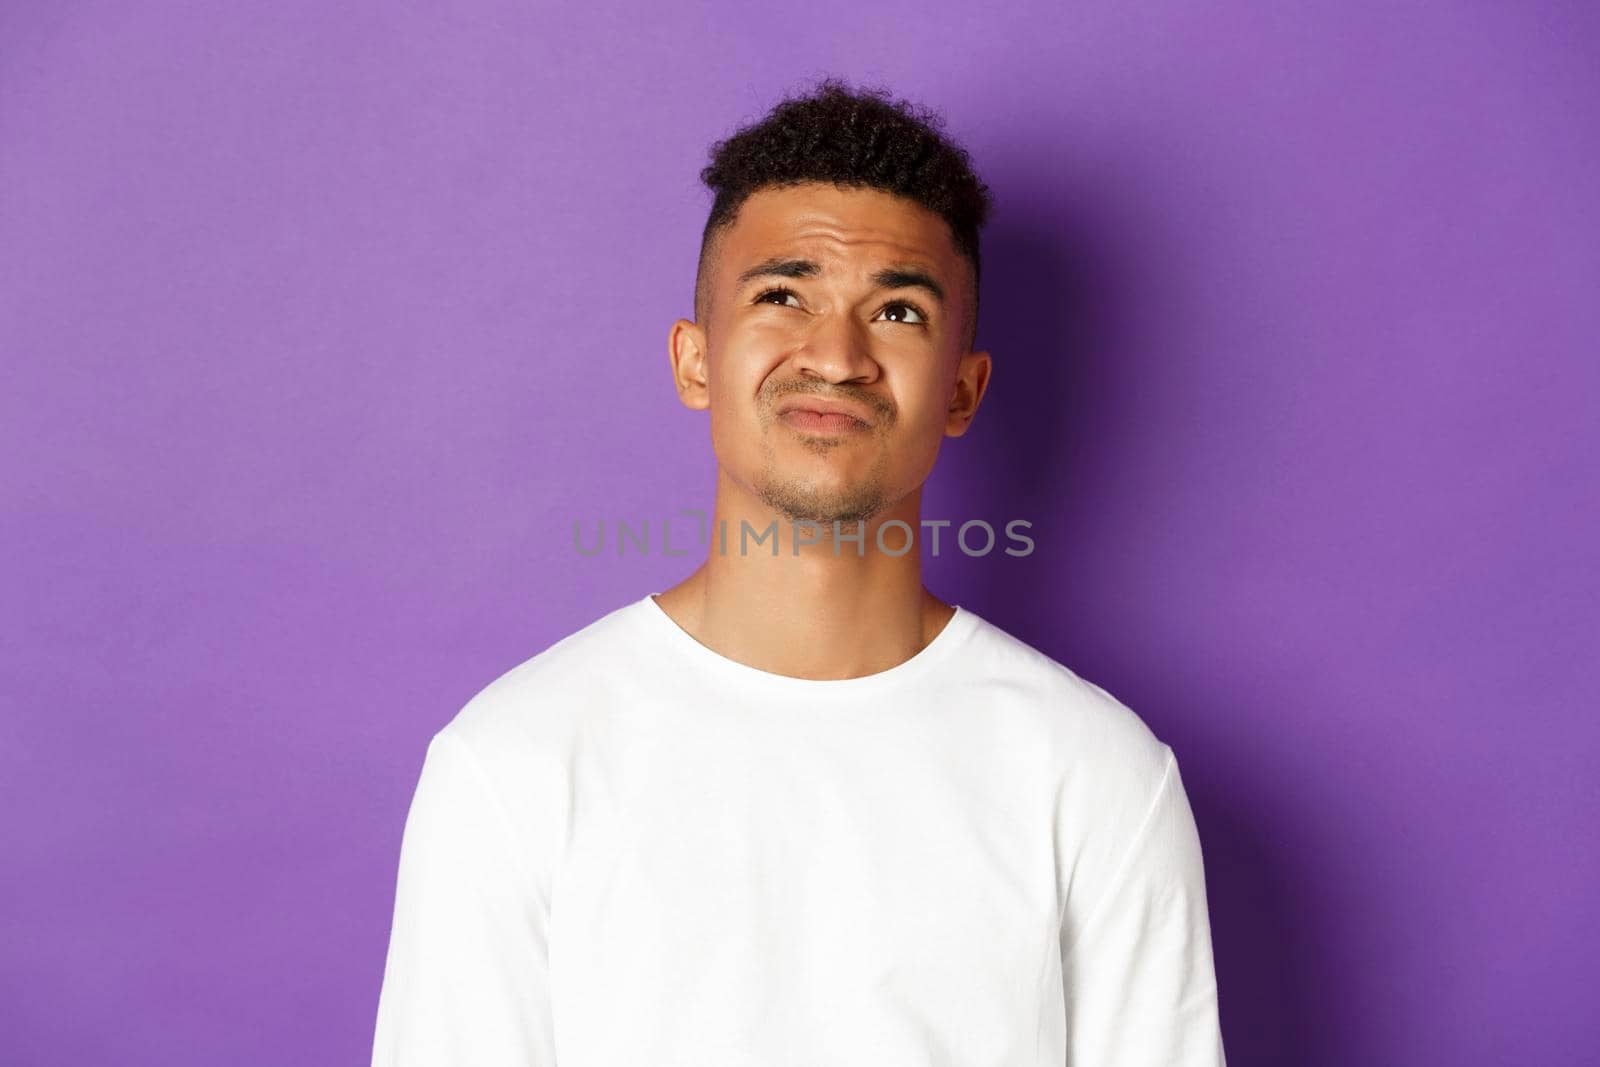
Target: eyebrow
{"x":899,"y":277}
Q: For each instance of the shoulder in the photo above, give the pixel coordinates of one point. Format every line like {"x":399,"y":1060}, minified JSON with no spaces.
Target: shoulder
{"x":1093,"y":738}
{"x":1107,"y":770}
{"x":523,"y":727}
{"x":541,"y":692}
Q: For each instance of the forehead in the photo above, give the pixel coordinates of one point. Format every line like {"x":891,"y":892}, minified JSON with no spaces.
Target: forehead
{"x":840,"y":228}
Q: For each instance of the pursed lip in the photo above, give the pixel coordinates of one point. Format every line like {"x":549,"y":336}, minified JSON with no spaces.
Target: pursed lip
{"x":826,"y":407}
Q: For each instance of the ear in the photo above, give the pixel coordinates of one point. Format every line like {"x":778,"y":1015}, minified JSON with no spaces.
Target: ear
{"x":972,"y":378}
{"x":686,"y":348}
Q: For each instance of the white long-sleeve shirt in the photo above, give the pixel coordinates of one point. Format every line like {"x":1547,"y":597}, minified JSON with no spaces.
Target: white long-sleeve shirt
{"x":632,"y":851}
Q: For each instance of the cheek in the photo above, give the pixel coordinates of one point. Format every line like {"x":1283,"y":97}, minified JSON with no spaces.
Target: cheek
{"x":923,"y":407}
{"x":739,"y":366}
{"x":735,"y":375}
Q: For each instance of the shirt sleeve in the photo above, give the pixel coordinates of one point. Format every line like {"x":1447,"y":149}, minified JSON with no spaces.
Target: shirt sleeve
{"x":466,"y":977}
{"x":1137,"y":972}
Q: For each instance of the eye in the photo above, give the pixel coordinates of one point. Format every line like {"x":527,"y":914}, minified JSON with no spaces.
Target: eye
{"x":922,"y":318}
{"x":783,"y":292}
{"x":778,"y":291}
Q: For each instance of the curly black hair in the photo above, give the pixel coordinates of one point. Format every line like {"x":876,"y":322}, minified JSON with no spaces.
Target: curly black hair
{"x":859,"y":137}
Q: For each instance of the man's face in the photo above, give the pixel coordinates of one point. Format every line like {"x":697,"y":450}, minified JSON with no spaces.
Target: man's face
{"x":826,"y":297}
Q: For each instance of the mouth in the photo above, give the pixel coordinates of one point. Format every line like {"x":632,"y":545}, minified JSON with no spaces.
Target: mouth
{"x":825,"y":415}
{"x":827,"y":422}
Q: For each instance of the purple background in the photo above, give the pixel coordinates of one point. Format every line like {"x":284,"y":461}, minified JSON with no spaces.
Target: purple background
{"x":322,"y":324}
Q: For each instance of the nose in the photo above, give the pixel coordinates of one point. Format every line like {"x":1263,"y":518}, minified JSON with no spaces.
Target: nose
{"x":838,"y":349}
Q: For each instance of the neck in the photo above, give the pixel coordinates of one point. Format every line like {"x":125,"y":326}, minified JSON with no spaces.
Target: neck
{"x":826,"y":610}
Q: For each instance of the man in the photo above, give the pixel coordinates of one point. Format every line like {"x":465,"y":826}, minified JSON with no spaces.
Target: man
{"x":796,"y":810}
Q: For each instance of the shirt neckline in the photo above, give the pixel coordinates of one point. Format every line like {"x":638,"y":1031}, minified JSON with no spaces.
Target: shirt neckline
{"x":955,"y":629}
